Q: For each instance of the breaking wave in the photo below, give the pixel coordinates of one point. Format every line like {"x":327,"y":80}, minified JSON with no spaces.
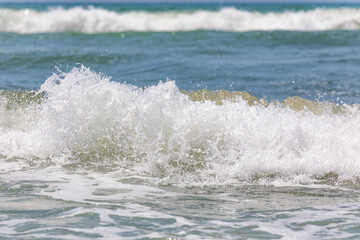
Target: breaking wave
{"x":82,"y":119}
{"x":97,"y":20}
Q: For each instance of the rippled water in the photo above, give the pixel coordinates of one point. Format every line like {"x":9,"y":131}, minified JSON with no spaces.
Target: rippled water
{"x":179,"y":121}
{"x":55,"y":204}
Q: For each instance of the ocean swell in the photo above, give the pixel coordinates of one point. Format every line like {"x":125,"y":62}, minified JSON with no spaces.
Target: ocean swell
{"x":82,"y":119}
{"x":97,"y":20}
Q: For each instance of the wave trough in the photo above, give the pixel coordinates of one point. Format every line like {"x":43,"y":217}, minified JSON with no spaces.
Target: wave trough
{"x":92,"y":20}
{"x":81,"y":118}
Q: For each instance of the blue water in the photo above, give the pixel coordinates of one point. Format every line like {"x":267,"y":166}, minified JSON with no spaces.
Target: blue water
{"x":179,"y":121}
{"x":268,"y":64}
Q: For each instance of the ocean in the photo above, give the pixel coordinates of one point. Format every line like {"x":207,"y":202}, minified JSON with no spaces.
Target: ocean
{"x":179,"y":121}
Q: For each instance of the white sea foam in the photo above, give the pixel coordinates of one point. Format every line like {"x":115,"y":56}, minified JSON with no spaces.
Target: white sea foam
{"x":98,"y":20}
{"x":88,"y":120}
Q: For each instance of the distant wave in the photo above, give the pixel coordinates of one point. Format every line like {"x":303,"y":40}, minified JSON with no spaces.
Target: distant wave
{"x":97,"y":20}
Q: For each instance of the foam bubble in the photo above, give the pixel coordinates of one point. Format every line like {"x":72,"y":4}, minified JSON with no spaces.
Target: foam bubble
{"x":97,"y":20}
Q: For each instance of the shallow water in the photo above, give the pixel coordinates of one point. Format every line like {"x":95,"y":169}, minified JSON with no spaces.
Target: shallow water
{"x":51,"y":203}
{"x":179,"y":121}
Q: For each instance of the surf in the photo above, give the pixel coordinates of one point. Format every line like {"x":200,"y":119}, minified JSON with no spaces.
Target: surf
{"x":92,"y":20}
{"x":82,"y":119}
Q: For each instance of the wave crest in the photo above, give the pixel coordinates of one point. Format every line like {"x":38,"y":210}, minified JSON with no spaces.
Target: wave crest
{"x":97,"y":20}
{"x":81,"y":118}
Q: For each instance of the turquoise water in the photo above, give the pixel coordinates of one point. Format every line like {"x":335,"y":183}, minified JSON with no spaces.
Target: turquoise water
{"x":272,"y":65}
{"x":182,"y":121}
